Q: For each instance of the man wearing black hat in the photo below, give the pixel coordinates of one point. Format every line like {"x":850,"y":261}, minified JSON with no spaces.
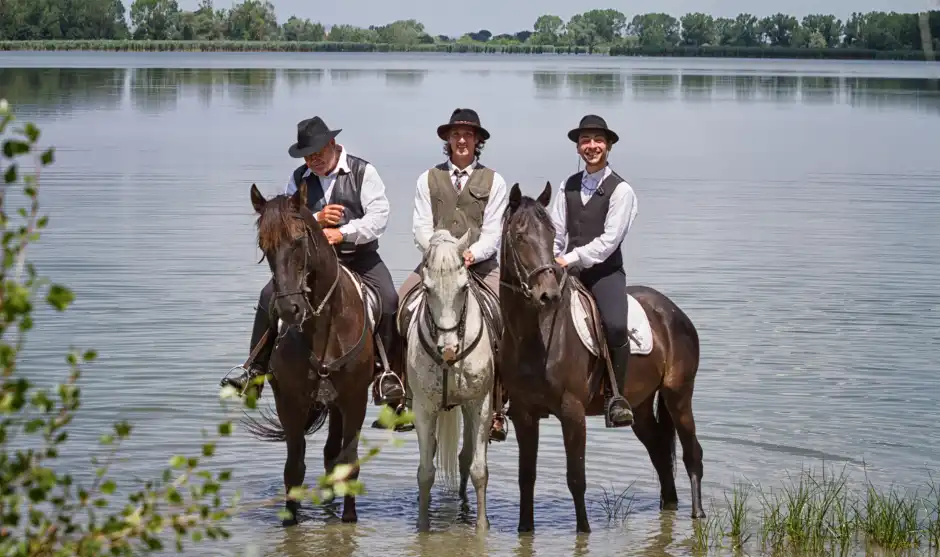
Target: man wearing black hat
{"x":347,"y":197}
{"x":592,"y":213}
{"x":461,"y":195}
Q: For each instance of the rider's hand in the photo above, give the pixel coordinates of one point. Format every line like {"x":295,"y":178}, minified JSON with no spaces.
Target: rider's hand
{"x":333,"y":235}
{"x":468,"y":258}
{"x":561,"y":261}
{"x":330,"y":215}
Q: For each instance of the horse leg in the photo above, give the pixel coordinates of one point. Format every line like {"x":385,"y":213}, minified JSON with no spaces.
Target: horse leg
{"x":679,"y":404}
{"x":477,"y":417}
{"x":426,"y":429}
{"x":353,"y":416}
{"x":294,"y":469}
{"x":527,"y":437}
{"x":466,"y":452}
{"x":659,"y":439}
{"x":573,"y":428}
{"x":334,"y":440}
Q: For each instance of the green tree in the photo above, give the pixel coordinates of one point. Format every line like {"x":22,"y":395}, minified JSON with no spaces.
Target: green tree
{"x":47,"y":510}
{"x":779,"y":29}
{"x":698,"y":29}
{"x":656,"y":30}
{"x":253,"y":20}
{"x":296,"y":29}
{"x":829,"y":27}
{"x":549,"y":30}
{"x":155,"y":19}
{"x":403,"y":31}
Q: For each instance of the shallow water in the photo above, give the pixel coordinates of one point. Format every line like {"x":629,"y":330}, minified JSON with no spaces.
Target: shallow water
{"x":790,"y":208}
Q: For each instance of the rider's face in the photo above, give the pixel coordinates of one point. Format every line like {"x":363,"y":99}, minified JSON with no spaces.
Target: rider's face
{"x":323,"y":161}
{"x":463,"y":141}
{"x":593,"y":148}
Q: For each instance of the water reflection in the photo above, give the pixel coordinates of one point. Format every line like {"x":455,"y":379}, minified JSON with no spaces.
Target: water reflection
{"x":301,"y":78}
{"x":547,"y":84}
{"x":159,"y":89}
{"x":55,"y":90}
{"x":405,"y":78}
{"x":348,"y":75}
{"x":252,"y":88}
{"x":597,"y":86}
{"x":307,"y":541}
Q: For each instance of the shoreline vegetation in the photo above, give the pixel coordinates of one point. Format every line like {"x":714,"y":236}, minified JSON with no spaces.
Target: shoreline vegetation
{"x":253,"y":26}
{"x":811,"y":513}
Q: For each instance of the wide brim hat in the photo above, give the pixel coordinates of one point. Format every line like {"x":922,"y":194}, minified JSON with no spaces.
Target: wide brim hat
{"x":463,"y":117}
{"x":593,"y":123}
{"x":312,"y":135}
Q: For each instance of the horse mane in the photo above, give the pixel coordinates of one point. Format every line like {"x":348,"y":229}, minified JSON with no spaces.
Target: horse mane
{"x":528,"y":208}
{"x":279,"y":223}
{"x":442,"y":258}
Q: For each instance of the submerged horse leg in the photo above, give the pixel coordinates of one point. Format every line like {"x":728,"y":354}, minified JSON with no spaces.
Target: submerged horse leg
{"x":478,"y":415}
{"x":659,"y":438}
{"x":353,"y":416}
{"x":527,"y":437}
{"x":294,"y":469}
{"x":679,"y":404}
{"x":573,"y":428}
{"x":425,"y":420}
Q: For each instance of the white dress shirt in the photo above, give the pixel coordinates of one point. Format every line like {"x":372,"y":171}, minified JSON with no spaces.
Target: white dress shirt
{"x":372,"y":196}
{"x":487,"y":244}
{"x":620,"y":215}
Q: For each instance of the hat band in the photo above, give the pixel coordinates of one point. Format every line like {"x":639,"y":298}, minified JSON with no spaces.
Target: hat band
{"x":464,"y":123}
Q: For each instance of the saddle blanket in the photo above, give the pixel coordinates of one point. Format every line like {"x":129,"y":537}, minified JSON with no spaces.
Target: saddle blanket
{"x":637,"y":323}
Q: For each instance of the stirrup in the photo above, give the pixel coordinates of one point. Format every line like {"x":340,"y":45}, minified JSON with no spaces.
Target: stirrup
{"x":609,"y":406}
{"x":380,"y":397}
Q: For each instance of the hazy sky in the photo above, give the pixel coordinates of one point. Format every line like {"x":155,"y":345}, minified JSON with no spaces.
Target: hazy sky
{"x":509,"y":16}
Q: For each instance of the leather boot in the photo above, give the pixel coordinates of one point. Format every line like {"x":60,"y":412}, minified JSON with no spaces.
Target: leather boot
{"x":618,"y":411}
{"x":388,"y":387}
{"x":259,"y":366}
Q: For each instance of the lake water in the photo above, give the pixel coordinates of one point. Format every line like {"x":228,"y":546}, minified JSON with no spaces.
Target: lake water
{"x":790,"y":208}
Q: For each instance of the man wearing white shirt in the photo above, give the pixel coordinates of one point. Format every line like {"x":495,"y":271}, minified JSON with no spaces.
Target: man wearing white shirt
{"x":592,"y":214}
{"x":347,"y":197}
{"x":462,"y":195}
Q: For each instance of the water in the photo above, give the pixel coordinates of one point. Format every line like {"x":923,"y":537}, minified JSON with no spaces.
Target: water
{"x":790,"y":208}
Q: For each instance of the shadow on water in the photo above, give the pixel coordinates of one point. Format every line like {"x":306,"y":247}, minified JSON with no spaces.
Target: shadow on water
{"x":60,"y":91}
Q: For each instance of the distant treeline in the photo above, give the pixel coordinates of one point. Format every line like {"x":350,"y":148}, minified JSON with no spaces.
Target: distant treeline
{"x":252,"y":25}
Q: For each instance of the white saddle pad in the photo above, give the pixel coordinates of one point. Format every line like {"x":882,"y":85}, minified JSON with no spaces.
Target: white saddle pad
{"x":637,"y":322}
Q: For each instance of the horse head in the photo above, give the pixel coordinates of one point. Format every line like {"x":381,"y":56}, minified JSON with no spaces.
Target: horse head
{"x":293,"y":243}
{"x":528,"y":239}
{"x":446,"y":284}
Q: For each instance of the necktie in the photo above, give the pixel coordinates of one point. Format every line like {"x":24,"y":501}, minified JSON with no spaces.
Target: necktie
{"x":458,"y":174}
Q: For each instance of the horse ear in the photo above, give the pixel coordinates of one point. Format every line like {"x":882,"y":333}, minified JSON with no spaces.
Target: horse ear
{"x":546,"y":194}
{"x":515,"y":197}
{"x":464,"y":242}
{"x":300,"y":196}
{"x":257,"y":200}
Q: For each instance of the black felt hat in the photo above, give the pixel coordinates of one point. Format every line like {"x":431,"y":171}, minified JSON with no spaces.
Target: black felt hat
{"x":463,"y":117}
{"x":312,"y":135}
{"x":593,"y":123}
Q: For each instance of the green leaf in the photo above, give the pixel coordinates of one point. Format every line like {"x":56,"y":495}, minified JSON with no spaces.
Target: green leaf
{"x":60,"y":297}
{"x":15,"y":147}
{"x":32,"y":132}
{"x":48,"y":156}
{"x":108,"y":487}
{"x":178,"y":461}
{"x":10,"y":175}
{"x":225,"y":429}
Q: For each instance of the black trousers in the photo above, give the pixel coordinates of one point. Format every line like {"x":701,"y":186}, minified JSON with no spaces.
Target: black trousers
{"x":609,"y":288}
{"x":372,"y":269}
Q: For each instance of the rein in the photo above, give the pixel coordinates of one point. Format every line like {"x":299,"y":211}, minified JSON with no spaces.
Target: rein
{"x":317,"y":364}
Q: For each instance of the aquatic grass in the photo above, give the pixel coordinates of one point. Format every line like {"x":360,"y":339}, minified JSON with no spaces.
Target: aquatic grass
{"x":617,"y":506}
{"x":818,"y":513}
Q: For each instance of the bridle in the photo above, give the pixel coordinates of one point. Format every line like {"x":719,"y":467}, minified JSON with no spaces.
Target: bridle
{"x":304,"y":289}
{"x":525,"y":276}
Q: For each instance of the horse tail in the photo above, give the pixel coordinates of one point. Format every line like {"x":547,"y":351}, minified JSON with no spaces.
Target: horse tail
{"x":448,"y":437}
{"x":665,"y":428}
{"x":272,"y":430}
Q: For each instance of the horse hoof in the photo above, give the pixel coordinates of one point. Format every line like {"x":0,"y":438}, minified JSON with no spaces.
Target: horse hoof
{"x":288,"y":522}
{"x":584,"y":529}
{"x":698,"y":514}
{"x":350,"y":519}
{"x":525,"y":528}
{"x":669,"y":506}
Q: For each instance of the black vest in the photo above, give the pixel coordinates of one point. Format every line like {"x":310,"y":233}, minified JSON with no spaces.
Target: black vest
{"x":585,"y":221}
{"x":346,"y":189}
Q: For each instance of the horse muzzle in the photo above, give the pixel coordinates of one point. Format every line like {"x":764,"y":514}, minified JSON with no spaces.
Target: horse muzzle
{"x":449,"y":354}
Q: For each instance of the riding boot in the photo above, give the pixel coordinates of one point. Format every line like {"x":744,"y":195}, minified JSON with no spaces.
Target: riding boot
{"x":388,"y":387}
{"x":498,"y":425}
{"x":259,"y":365}
{"x":619,"y":413}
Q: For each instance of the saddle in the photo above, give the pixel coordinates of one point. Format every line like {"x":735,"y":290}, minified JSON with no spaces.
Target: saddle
{"x":413,"y":299}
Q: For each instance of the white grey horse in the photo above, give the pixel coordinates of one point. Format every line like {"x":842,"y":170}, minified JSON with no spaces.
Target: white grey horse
{"x":450,"y":371}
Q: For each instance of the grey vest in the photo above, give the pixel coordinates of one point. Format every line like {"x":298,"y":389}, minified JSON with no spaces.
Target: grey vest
{"x":346,"y":189}
{"x":585,"y":222}
{"x":459,"y":212}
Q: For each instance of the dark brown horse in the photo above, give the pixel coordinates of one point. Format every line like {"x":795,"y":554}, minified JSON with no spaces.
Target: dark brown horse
{"x":547,"y":370}
{"x":323,"y":361}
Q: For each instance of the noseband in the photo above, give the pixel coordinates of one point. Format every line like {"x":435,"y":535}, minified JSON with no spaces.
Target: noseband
{"x":525,"y":276}
{"x":305,"y":290}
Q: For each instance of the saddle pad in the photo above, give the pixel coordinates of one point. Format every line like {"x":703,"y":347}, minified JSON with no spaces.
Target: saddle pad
{"x":372,"y":297}
{"x":637,"y":323}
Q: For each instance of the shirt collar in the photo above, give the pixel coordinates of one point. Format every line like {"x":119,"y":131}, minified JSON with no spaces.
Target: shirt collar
{"x":596,"y":178}
{"x":341,"y":164}
{"x":469,"y":170}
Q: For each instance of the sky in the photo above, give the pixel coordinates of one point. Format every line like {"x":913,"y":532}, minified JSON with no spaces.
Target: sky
{"x":510,"y":16}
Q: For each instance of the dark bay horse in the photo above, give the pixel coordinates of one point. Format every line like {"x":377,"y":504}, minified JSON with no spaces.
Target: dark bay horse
{"x":323,"y":361}
{"x":547,"y":370}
